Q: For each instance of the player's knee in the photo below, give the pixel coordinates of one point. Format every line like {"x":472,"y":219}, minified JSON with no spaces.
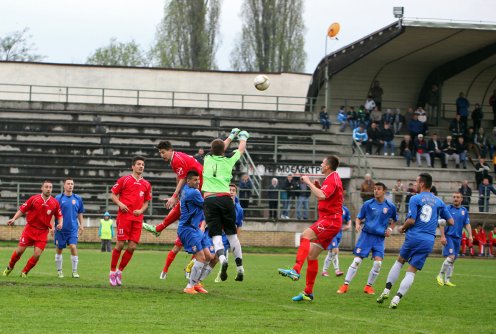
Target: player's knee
{"x":356,"y":262}
{"x":377,"y":266}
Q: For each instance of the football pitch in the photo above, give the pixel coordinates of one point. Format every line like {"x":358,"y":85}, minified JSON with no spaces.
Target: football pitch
{"x":43,"y":303}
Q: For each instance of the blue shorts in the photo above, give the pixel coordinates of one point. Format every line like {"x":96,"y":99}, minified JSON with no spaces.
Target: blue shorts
{"x":369,"y":243}
{"x":194,"y":240}
{"x":335,"y":242}
{"x":415,"y":252}
{"x":452,"y":247}
{"x":225,"y":241}
{"x":62,"y":239}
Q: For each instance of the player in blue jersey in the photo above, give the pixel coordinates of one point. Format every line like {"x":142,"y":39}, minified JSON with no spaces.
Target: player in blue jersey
{"x":194,"y":240}
{"x":332,"y":255}
{"x":72,"y":209}
{"x":453,"y":238}
{"x":378,"y":216}
{"x":420,"y":228}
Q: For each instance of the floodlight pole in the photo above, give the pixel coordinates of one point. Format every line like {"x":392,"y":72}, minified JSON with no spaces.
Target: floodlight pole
{"x":326,"y":76}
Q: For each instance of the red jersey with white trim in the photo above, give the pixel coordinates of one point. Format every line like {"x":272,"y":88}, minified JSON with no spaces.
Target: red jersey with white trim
{"x":133,"y":193}
{"x":39,"y":212}
{"x":182,"y":163}
{"x":333,"y":190}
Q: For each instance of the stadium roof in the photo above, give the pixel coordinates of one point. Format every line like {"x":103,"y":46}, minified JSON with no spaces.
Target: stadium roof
{"x":407,"y":57}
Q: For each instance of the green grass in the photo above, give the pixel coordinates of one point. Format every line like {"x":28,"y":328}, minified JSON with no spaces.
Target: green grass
{"x":262,"y":303}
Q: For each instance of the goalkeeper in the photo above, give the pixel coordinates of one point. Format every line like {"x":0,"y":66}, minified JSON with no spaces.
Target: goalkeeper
{"x":220,"y":214}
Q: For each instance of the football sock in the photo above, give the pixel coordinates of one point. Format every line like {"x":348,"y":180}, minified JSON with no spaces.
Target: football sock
{"x":236,"y":249}
{"x":406,"y":283}
{"x":116,"y":254}
{"x":374,"y":272}
{"x":13,"y":259}
{"x":58,"y":261}
{"x":126,"y":257}
{"x":449,"y":271}
{"x":393,"y":275}
{"x":302,"y":254}
{"x":239,"y":265}
{"x":173,"y":215}
{"x":170,"y":258}
{"x":312,"y":271}
{"x":444,"y":268}
{"x":205,"y":271}
{"x":352,"y":269}
{"x":75,"y":260}
{"x":335,"y":261}
{"x":219,"y":248}
{"x":327,"y":261}
{"x":196,"y":271}
{"x":31,"y":263}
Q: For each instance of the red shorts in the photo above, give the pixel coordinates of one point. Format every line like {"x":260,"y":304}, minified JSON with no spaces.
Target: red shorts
{"x":326,"y":228}
{"x":34,"y":237}
{"x":178,"y":243}
{"x":129,"y":230}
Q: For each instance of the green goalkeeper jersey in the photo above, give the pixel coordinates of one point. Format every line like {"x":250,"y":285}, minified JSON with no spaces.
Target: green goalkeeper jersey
{"x":217,"y":172}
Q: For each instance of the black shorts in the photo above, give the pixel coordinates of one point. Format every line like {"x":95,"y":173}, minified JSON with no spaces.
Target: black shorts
{"x":220,"y":215}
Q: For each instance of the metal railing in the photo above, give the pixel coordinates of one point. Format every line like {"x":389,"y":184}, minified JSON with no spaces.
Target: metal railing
{"x":363,"y":165}
{"x":143,"y":97}
{"x":250,"y":168}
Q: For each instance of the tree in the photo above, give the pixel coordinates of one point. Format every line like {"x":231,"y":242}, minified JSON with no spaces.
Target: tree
{"x":118,"y":54}
{"x":16,"y":46}
{"x":187,"y":35}
{"x":271,"y":37}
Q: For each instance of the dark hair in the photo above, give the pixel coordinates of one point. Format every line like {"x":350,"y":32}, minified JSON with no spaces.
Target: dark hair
{"x":426,"y":179}
{"x":46,"y":181}
{"x":164,"y":145}
{"x":68,"y":179}
{"x":138,"y":158}
{"x":333,"y":162}
{"x":380,"y":184}
{"x":217,"y":147}
{"x":233,"y":185}
{"x":322,"y":108}
{"x":191,"y":174}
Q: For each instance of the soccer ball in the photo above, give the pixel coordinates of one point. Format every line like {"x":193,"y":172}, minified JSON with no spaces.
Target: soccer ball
{"x":261,"y":82}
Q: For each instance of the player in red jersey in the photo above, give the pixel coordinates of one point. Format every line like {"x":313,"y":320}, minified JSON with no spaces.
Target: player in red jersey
{"x":492,"y":241}
{"x":480,"y":239}
{"x":131,"y":193}
{"x":39,"y":211}
{"x":317,"y":237}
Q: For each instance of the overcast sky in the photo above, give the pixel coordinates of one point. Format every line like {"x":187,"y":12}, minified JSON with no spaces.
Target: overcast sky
{"x":68,"y":31}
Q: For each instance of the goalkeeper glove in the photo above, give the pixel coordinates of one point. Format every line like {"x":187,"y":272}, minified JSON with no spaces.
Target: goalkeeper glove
{"x":243,"y":135}
{"x":234,"y":133}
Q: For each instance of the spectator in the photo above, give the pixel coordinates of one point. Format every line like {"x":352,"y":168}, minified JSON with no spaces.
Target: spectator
{"x":421,"y":150}
{"x":466,"y":192}
{"x":398,"y":192}
{"x":485,"y":190}
{"x":352,"y":118}
{"x":289,"y":185}
{"x":245,"y":188}
{"x":324,"y":118}
{"x":415,"y":126}
{"x":479,"y":239}
{"x":106,"y":232}
{"x":360,"y":137}
{"x":477,"y":116}
{"x":302,"y":204}
{"x":450,"y":152}
{"x":375,"y":139}
{"x":457,"y":127}
{"x":434,"y":189}
{"x":422,"y":116}
{"x":387,"y":136}
{"x":376,"y":115}
{"x":342,"y":119}
{"x":273,"y":194}
{"x":492,"y":103}
{"x":406,"y":149}
{"x":433,"y":102}
{"x":200,"y":156}
{"x":367,"y":188}
{"x":363,"y":116}
{"x":461,"y":150}
{"x":492,"y":241}
{"x":410,"y":191}
{"x":491,"y":142}
{"x":482,"y":171}
{"x":376,"y":92}
{"x":435,"y":151}
{"x":398,"y":122}
{"x":462,"y":106}
{"x":480,"y":140}
{"x":472,"y":148}
{"x":387,"y":117}
{"x":369,"y":104}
